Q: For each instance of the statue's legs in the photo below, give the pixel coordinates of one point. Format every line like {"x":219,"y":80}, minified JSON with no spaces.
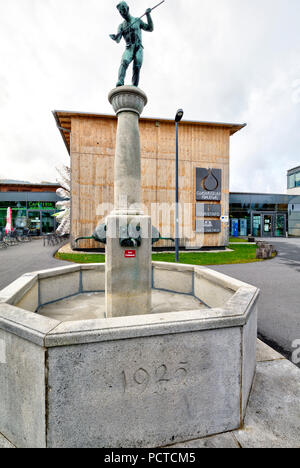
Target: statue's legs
{"x":126,"y":61}
{"x":137,"y":65}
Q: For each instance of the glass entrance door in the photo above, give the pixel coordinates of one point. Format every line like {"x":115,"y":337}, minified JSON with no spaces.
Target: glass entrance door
{"x":48,"y":222}
{"x":280,"y":228}
{"x":34,"y":222}
{"x":256,"y":225}
{"x":267,"y":225}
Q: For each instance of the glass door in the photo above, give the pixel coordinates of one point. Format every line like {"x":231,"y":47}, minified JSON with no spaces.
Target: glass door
{"x":34,"y":222}
{"x":280,"y":229}
{"x":256,"y":225}
{"x":267,"y":226}
{"x":48,"y":222}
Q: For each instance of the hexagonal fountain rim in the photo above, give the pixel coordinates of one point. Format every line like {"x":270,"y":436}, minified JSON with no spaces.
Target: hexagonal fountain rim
{"x":50,"y":333}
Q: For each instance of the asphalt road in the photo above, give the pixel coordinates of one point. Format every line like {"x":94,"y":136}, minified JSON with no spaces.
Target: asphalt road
{"x":24,"y":258}
{"x":279,"y":303}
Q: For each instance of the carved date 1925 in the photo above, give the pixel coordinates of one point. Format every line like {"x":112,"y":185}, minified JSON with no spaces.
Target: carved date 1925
{"x":142,"y":377}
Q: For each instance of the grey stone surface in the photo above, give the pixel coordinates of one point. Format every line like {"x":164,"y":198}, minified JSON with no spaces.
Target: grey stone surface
{"x":215,"y":290}
{"x":272,"y":421}
{"x":59,"y":286}
{"x":32,"y":326}
{"x":167,"y":278}
{"x":249,"y":341}
{"x":128,"y":280}
{"x":30,"y":300}
{"x":220,"y":441}
{"x":127,"y":182}
{"x":96,"y":331}
{"x":16,"y":291}
{"x":24,"y":324}
{"x":163,"y":302}
{"x":273,"y":415}
{"x":86,"y":306}
{"x":92,"y":306}
{"x":59,"y":270}
{"x":144,"y":392}
{"x":93,"y":280}
{"x":128,"y":103}
{"x":5,"y":444}
{"x":22,"y":392}
{"x":265,"y":353}
{"x":212,"y":294}
{"x":234,"y":314}
{"x":125,"y":98}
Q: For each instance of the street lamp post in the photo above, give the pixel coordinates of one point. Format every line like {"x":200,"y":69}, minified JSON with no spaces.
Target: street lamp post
{"x":178,"y":118}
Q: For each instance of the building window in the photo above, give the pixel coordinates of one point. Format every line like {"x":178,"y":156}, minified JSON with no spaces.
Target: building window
{"x":294,"y":180}
{"x":40,"y":219}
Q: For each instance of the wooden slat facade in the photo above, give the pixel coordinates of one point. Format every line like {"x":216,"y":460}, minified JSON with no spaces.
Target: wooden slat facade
{"x":91,"y":145}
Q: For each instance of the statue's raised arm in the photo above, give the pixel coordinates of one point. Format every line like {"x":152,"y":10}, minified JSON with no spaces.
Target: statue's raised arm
{"x":131,"y":31}
{"x":150,"y":26}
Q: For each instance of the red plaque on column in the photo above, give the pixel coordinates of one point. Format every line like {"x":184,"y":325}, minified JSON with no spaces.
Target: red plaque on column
{"x":130,"y":253}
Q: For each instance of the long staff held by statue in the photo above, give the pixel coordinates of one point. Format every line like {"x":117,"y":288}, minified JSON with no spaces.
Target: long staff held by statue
{"x":117,"y":36}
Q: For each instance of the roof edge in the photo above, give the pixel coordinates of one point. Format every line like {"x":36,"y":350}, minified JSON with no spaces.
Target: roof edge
{"x":62,"y":114}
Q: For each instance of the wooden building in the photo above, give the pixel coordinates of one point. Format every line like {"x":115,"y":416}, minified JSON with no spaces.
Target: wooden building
{"x":203,"y":146}
{"x":25,"y":187}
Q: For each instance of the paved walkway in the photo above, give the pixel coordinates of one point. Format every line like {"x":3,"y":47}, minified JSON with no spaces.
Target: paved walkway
{"x":24,"y":258}
{"x":272,"y":418}
{"x":279,"y":304}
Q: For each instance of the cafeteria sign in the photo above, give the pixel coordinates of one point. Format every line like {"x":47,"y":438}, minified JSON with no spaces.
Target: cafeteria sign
{"x":41,"y":206}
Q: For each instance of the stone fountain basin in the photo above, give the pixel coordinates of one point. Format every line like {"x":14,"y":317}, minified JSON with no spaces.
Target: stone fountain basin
{"x":138,"y":381}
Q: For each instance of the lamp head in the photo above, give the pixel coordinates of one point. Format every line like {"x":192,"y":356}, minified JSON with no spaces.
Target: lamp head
{"x":179,"y":115}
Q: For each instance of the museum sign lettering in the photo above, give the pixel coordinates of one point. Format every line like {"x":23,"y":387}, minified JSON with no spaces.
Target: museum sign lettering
{"x":208,"y":184}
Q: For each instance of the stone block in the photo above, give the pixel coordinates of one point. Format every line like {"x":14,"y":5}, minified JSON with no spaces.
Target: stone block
{"x":31,"y":327}
{"x":128,"y":280}
{"x":166,"y":278}
{"x":22,"y":392}
{"x":145,"y":392}
{"x":223,"y":441}
{"x":30,"y":300}
{"x":59,"y":286}
{"x":16,"y":291}
{"x":249,"y":342}
{"x":93,"y":280}
{"x":212,"y":294}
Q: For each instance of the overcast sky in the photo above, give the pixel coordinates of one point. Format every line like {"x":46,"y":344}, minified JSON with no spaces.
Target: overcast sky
{"x":221,"y":60}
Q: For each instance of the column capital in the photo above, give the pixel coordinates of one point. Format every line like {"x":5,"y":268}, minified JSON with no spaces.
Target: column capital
{"x":128,"y":99}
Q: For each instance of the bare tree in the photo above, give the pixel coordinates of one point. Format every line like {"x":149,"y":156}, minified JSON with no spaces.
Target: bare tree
{"x":64,"y":215}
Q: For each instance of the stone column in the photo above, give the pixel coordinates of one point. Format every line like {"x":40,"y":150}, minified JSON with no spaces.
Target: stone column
{"x":128,"y":269}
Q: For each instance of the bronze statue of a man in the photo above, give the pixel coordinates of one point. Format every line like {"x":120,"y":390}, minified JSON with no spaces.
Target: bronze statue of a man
{"x":131,"y":30}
